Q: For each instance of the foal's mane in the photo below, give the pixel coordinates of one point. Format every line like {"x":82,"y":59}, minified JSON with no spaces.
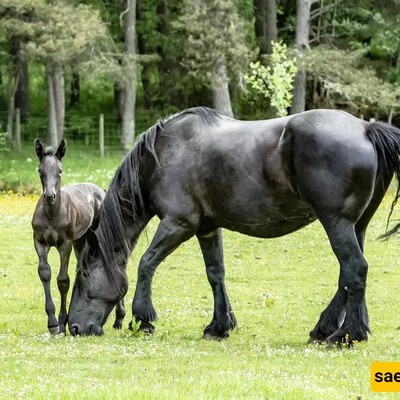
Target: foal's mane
{"x":123,"y":203}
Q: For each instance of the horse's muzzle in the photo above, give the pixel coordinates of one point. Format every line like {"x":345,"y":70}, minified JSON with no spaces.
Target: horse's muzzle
{"x":91,"y":329}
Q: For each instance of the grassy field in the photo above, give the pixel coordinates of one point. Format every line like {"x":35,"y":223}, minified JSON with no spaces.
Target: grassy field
{"x":277,"y":289}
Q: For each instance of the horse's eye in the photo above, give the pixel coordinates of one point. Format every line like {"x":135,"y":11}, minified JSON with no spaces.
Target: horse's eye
{"x":60,"y":171}
{"x":40,"y":171}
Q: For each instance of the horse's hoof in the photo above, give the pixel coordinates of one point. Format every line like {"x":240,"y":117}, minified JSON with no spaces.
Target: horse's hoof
{"x":147,"y":328}
{"x":208,"y":336}
{"x":316,"y":341}
{"x":54,"y":330}
{"x":118,"y":325}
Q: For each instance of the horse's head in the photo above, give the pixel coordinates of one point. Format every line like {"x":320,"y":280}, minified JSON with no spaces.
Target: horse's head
{"x":96,"y":290}
{"x":50,"y":169}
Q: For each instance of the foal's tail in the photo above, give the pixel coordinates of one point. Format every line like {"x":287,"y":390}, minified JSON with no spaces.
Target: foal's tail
{"x":386,"y":140}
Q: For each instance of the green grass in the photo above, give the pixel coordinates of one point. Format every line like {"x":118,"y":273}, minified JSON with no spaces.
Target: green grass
{"x":277,"y":289}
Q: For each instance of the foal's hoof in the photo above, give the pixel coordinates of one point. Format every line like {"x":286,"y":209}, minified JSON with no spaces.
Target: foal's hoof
{"x":54,"y":330}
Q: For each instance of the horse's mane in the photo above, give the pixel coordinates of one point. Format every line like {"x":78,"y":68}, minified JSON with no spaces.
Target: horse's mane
{"x":123,"y":203}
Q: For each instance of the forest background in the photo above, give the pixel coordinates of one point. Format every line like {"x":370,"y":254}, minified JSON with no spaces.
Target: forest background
{"x":65,"y":62}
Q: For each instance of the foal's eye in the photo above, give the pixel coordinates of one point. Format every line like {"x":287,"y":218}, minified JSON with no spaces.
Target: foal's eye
{"x":60,"y":171}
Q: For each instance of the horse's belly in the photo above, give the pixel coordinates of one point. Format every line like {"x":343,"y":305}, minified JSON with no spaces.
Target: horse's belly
{"x":270,"y":222}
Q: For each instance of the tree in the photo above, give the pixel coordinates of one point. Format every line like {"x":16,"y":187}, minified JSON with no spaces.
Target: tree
{"x":56,"y":34}
{"x":129,"y":66}
{"x":265,"y":24}
{"x":215,"y":46}
{"x":302,"y":44}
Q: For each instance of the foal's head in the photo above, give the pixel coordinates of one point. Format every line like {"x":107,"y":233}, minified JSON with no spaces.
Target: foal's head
{"x":50,"y":169}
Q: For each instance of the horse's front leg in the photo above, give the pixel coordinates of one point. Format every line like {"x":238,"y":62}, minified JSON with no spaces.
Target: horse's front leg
{"x":63,"y":282}
{"x":168,"y":237}
{"x":223,"y":317}
{"x":119,"y":314}
{"x":44,"y":272}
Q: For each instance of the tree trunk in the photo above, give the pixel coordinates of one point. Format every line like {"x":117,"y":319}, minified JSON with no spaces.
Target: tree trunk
{"x":21,"y":99}
{"x":55,"y":102}
{"x":265,"y":24}
{"x":145,"y":73}
{"x":128,"y":112}
{"x":75,"y":89}
{"x":302,"y":44}
{"x":52,"y":138}
{"x":59,"y":99}
{"x":272,"y":29}
{"x":220,"y":91}
{"x":22,"y":94}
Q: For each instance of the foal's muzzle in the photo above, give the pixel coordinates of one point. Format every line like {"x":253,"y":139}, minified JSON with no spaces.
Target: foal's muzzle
{"x":49,"y":198}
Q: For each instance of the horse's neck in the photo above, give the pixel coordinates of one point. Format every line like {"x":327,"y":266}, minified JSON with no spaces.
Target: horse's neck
{"x":121,"y":247}
{"x":53,"y":210}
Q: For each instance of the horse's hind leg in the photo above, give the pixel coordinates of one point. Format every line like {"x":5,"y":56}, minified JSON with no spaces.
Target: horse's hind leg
{"x":44,"y":271}
{"x":352,"y":281}
{"x":333,"y":316}
{"x":63,"y":283}
{"x":119,"y":314}
{"x":223,"y":317}
{"x":169,"y":235}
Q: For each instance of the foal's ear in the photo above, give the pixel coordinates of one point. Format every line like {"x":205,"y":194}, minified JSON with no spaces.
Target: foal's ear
{"x":62,"y":148}
{"x":39,"y":149}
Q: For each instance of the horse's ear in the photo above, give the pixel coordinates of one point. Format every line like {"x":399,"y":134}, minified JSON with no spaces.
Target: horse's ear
{"x":92,"y":240}
{"x":62,"y":148}
{"x":39,"y":149}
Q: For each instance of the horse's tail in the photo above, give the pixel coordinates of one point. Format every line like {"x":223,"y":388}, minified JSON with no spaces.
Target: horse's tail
{"x":386,"y":140}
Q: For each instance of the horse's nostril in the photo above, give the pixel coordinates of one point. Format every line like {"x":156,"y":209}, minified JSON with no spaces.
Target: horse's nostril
{"x":74,"y":329}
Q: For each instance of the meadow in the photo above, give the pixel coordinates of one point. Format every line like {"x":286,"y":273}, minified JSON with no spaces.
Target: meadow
{"x":277,"y":288}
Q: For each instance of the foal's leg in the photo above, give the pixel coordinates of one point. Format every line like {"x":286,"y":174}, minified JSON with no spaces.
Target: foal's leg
{"x":223,"y":317}
{"x":352,"y":281}
{"x":63,"y":282}
{"x":44,"y":271}
{"x":169,"y":235}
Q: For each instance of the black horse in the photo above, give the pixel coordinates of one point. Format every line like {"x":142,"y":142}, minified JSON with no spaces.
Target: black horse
{"x":61,"y":219}
{"x":199,"y":171}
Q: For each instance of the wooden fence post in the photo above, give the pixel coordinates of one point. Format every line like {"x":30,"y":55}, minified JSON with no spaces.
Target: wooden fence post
{"x":101,"y":135}
{"x":17,"y":130}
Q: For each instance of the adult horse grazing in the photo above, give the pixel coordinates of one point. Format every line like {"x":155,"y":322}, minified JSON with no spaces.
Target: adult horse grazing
{"x":199,"y":171}
{"x":61,"y":219}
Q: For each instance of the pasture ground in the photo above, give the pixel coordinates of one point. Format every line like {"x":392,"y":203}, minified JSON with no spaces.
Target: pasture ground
{"x":277,"y":289}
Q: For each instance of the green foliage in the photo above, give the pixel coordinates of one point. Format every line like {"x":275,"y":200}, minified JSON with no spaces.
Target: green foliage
{"x":274,"y":81}
{"x":49,"y":31}
{"x":214,"y":36}
{"x":346,"y":80}
{"x":4,"y":145}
